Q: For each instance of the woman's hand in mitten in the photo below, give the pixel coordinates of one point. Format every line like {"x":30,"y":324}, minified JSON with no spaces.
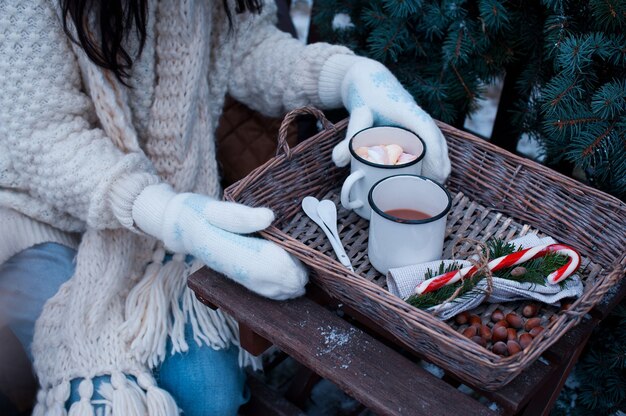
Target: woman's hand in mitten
{"x":373,"y":96}
{"x":210,"y":230}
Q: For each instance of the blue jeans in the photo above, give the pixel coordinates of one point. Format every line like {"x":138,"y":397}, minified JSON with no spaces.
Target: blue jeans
{"x":203,"y":381}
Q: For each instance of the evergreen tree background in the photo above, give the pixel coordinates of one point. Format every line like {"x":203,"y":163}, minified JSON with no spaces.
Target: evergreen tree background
{"x":599,"y":382}
{"x":564,"y":60}
{"x":565,"y":86}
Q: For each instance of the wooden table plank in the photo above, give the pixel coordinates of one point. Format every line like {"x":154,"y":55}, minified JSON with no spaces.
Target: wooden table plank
{"x":251,"y":341}
{"x":267,"y":402}
{"x":364,"y":368}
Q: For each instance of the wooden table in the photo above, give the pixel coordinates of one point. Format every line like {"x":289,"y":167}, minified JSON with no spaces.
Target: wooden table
{"x":370,"y":368}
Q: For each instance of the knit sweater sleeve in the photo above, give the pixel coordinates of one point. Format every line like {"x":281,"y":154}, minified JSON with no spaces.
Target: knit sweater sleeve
{"x":49,"y":128}
{"x":272,"y":72}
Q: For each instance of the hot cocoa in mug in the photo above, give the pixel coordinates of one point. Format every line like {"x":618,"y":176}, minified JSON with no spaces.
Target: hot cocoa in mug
{"x":407,"y":214}
{"x":408,"y":221}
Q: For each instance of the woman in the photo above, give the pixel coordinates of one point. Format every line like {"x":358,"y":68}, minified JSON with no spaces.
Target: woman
{"x":109,"y":187}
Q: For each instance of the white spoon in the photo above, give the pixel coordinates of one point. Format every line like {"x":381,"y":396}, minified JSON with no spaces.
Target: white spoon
{"x":311,"y":207}
{"x":327,"y":210}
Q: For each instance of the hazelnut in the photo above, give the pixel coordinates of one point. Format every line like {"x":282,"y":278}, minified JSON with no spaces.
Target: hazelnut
{"x":536,"y":331}
{"x":514,"y":320}
{"x":531,"y":323}
{"x":497,"y":315}
{"x":518,"y":271}
{"x":462,"y":318}
{"x":529,"y":311}
{"x":500,"y":348}
{"x":475,"y":319}
{"x":513,"y":347}
{"x":499,"y":334}
{"x":485,"y":332}
{"x":480,"y":341}
{"x":470,"y":331}
{"x":503,"y":323}
{"x":477,"y":326}
{"x":511,"y":334}
{"x":525,"y":340}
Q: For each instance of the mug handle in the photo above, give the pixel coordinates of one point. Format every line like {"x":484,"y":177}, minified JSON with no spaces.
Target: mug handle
{"x":347,"y":186}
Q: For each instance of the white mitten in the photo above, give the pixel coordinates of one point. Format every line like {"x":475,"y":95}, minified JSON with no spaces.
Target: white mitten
{"x":373,"y":96}
{"x":208,"y":229}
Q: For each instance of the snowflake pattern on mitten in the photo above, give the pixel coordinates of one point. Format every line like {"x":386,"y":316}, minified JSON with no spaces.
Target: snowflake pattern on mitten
{"x":374,"y":97}
{"x":195,"y":224}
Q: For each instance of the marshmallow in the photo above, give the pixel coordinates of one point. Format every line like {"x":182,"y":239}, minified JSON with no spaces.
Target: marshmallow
{"x":405,"y":158}
{"x":378,"y":154}
{"x":362,"y":151}
{"x":391,"y":154}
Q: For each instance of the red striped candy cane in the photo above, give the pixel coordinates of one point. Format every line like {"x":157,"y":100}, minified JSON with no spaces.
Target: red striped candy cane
{"x":503,"y":262}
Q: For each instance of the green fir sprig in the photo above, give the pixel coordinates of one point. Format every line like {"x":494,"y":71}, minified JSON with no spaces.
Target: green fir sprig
{"x":536,"y":271}
{"x":428,"y":300}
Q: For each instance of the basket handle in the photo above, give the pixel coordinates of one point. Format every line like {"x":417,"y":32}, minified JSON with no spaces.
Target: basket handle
{"x":291,"y":116}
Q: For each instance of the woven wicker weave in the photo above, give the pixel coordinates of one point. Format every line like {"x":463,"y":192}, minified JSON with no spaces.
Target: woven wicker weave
{"x":495,"y":194}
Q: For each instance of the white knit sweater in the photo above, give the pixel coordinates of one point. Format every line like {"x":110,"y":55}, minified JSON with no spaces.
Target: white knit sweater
{"x":77,"y":147}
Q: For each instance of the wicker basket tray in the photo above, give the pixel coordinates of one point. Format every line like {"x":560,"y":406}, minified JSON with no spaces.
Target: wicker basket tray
{"x":496,"y":194}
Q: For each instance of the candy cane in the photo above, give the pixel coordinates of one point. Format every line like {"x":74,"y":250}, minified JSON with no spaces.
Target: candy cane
{"x":508,"y":261}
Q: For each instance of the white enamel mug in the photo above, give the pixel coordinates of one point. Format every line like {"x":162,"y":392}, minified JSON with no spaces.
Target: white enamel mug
{"x":365,"y":173}
{"x":396,"y":242}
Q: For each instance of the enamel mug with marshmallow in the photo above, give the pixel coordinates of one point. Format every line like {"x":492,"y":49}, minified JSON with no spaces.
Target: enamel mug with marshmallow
{"x":364,"y":173}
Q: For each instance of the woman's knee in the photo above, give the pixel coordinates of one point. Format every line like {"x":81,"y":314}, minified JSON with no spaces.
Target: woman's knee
{"x":204,"y":381}
{"x":28,"y":280}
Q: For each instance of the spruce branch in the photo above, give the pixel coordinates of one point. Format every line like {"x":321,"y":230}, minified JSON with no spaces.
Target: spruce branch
{"x":575,"y":54}
{"x":609,"y":14}
{"x":402,"y":8}
{"x":557,"y":6}
{"x":557,"y":28}
{"x":434,"y":23}
{"x":470,"y":95}
{"x":459,"y":45}
{"x":373,"y":16}
{"x":609,"y":101}
{"x":383,"y":44}
{"x":562,"y":123}
{"x":494,"y":14}
{"x":617,"y":50}
{"x":561,"y":127}
{"x":562,"y":93}
{"x":589,"y":150}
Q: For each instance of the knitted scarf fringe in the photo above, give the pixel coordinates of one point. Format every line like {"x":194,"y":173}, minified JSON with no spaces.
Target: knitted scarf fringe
{"x":120,"y":397}
{"x":39,"y":409}
{"x":204,"y":320}
{"x":159,"y":306}
{"x":83,"y":407}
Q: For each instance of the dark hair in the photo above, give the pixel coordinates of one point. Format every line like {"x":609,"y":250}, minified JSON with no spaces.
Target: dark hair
{"x":116,"y":21}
